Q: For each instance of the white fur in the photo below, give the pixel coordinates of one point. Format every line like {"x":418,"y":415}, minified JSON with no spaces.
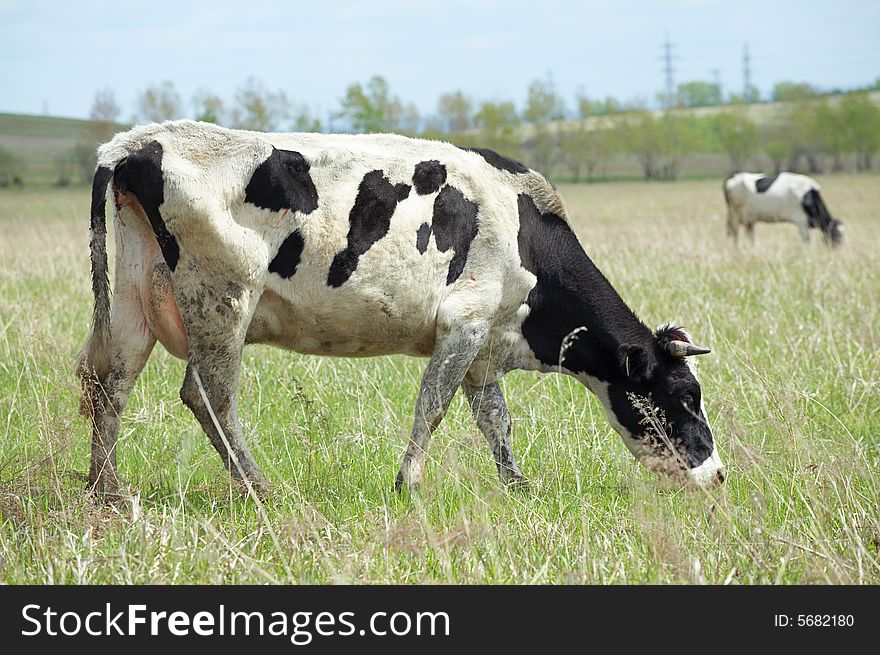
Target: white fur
{"x":206,"y":171}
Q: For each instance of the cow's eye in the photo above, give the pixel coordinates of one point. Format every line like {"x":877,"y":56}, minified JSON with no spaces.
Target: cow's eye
{"x":688,"y":401}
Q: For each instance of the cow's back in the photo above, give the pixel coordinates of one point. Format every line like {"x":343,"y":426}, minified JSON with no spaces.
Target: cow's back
{"x":768,"y":198}
{"x":355,"y":241}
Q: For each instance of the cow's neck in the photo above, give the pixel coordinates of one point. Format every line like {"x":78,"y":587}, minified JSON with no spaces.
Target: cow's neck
{"x":574,"y":309}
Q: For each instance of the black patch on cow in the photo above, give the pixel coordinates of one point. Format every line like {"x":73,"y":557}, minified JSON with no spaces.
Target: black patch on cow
{"x":283,"y":182}
{"x":571,"y":293}
{"x":288,"y":256}
{"x":422,"y":237}
{"x":402,"y":191}
{"x":764,"y":183}
{"x":368,"y":221}
{"x":454,"y":226}
{"x":429,"y":176}
{"x":816,"y":210}
{"x":499,"y":161}
{"x":141,"y":175}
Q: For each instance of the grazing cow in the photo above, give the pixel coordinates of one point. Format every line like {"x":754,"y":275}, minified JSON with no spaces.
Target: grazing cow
{"x":359,"y":246}
{"x":787,"y":197}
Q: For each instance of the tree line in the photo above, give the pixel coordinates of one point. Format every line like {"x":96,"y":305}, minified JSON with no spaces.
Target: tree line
{"x":797,"y":128}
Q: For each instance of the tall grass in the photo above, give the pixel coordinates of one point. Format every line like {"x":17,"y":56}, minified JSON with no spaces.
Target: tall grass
{"x":792,"y":391}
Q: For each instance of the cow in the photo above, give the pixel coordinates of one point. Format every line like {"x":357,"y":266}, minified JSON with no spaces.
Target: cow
{"x":357,"y":246}
{"x":786,"y":197}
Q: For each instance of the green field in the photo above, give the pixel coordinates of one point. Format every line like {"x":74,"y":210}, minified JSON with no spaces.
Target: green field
{"x":792,"y":390}
{"x":37,"y":142}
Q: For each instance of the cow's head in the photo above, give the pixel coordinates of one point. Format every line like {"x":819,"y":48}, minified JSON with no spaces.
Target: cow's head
{"x":833,"y":233}
{"x":656,"y":404}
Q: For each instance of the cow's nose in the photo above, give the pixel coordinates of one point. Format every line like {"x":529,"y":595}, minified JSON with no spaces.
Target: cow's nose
{"x":719,"y":476}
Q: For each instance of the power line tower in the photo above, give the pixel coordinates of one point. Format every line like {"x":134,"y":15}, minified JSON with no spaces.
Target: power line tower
{"x":716,"y":80}
{"x":747,"y":74}
{"x":668,"y":70}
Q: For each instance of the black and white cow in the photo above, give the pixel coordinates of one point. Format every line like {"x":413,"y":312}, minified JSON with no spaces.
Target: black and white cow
{"x":787,"y":197}
{"x":359,"y":246}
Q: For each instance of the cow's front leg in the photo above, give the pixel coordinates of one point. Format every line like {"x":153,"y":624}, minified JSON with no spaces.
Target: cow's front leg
{"x":493,"y":419}
{"x":804,"y":231}
{"x":453,"y":355}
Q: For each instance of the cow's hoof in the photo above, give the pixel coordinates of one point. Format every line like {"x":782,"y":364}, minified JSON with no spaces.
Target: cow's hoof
{"x":400,"y":485}
{"x":258,"y":487}
{"x":108,"y":492}
{"x":410,"y":475}
{"x":518,"y":484}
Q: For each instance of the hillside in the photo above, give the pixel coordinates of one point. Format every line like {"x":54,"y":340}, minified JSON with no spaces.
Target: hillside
{"x":36,"y":142}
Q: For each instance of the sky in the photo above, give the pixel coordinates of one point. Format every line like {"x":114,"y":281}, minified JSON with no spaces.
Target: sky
{"x":54,"y":55}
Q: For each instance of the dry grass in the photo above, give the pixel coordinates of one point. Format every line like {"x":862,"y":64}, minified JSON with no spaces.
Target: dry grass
{"x":792,"y":390}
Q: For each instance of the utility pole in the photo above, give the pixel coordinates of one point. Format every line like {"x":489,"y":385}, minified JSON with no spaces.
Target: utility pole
{"x":747,"y":74}
{"x":666,"y":57}
{"x":716,"y":77}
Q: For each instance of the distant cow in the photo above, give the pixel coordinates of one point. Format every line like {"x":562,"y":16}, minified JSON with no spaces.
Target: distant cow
{"x":359,"y":246}
{"x":786,"y":197}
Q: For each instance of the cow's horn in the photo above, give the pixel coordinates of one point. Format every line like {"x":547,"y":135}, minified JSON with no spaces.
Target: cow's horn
{"x":678,"y":348}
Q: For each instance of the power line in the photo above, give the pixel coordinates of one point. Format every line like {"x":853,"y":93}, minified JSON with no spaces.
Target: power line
{"x":716,"y":79}
{"x":747,"y":73}
{"x":668,"y":71}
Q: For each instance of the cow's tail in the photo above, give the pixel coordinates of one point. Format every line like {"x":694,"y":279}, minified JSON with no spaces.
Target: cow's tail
{"x":93,"y":363}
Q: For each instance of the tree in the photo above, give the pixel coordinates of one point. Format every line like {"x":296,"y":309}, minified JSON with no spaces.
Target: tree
{"x":159,"y":103}
{"x":830,"y":132}
{"x":639,"y":135}
{"x":660,"y":144}
{"x":737,"y":136}
{"x":455,"y":112}
{"x":860,"y":119}
{"x":259,"y":109}
{"x":77,"y":162}
{"x":584,"y":146}
{"x":543,"y":106}
{"x":805,"y":134}
{"x":304,"y":121}
{"x":752,"y":95}
{"x":103,"y":115}
{"x":699,"y":94}
{"x":208,"y":107}
{"x":373,"y":109}
{"x":792,"y":91}
{"x":588,"y":107}
{"x":586,"y":150}
{"x":497,"y":123}
{"x":777,"y":144}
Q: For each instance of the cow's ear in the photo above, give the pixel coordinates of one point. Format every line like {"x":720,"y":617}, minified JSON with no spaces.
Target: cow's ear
{"x":636,"y":362}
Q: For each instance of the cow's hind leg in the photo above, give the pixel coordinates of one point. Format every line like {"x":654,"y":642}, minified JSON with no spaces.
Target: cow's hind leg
{"x":457,"y":347}
{"x":215,"y":317}
{"x":493,"y":419}
{"x":105,"y":397}
{"x":733,"y":225}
